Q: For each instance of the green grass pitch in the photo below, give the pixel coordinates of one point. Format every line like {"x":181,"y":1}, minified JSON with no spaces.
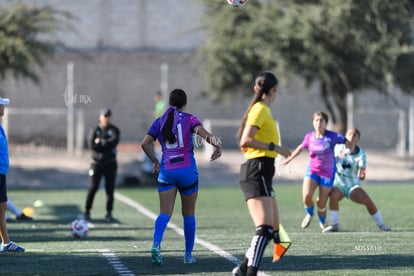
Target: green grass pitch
{"x":224,"y":230}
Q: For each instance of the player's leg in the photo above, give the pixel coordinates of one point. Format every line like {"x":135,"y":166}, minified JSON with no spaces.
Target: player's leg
{"x":256,"y":183}
{"x":275,"y":221}
{"x":95,"y":175}
{"x":188,"y":203}
{"x":323,"y":196}
{"x":167,"y":200}
{"x":7,"y":245}
{"x":308,"y":189}
{"x":263,"y":220}
{"x":335,"y":196}
{"x":13,"y":208}
{"x":16,"y":211}
{"x":358,"y":195}
{"x":3,"y":226}
{"x":187,"y":179}
{"x":110,"y":176}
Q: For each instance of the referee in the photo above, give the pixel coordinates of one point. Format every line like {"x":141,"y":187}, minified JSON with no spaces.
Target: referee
{"x":103,"y":141}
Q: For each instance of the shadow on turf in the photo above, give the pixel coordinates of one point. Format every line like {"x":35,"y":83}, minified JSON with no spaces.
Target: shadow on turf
{"x":19,"y":177}
{"x":57,"y":229}
{"x":357,"y":262}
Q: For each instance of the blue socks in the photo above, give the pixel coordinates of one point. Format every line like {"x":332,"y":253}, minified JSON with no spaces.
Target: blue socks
{"x":322,"y":219}
{"x":189,"y":233}
{"x":159,"y":229}
{"x":309,"y":210}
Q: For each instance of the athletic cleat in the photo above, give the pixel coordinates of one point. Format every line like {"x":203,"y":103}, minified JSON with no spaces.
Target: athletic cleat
{"x":188,"y":259}
{"x":156,"y":256}
{"x":306,"y":221}
{"x":331,"y":228}
{"x":109,"y":218}
{"x":384,"y":228}
{"x":12,"y":247}
{"x":321,"y":225}
{"x":238,"y":272}
{"x":87,"y":216}
{"x":23,"y":217}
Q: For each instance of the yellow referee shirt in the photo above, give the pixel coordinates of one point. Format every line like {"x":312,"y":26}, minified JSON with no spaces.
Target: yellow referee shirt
{"x":260,"y":116}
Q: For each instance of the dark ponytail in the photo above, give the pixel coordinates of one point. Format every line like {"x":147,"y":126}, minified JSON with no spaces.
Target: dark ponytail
{"x":264,"y":81}
{"x":177,"y":100}
{"x":167,"y":133}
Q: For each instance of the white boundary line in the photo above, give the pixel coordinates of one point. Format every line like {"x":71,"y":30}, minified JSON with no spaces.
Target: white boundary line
{"x":177,"y":229}
{"x":116,"y":263}
{"x":140,"y":208}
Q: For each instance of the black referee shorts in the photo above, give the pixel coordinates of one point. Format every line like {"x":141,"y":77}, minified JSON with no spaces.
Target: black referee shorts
{"x":3,"y":188}
{"x":256,"y":177}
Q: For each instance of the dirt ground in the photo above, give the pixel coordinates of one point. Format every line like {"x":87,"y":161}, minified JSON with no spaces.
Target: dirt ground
{"x":46,"y":168}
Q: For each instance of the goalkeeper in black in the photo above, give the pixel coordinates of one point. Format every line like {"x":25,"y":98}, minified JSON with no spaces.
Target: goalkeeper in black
{"x":103,"y":141}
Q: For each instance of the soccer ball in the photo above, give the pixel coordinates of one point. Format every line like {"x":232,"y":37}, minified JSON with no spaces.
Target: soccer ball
{"x":236,"y":3}
{"x":79,"y":228}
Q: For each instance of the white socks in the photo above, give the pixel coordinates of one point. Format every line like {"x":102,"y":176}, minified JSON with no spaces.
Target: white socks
{"x":378,"y":218}
{"x":334,"y":217}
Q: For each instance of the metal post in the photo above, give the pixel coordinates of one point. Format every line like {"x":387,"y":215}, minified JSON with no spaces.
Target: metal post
{"x":411,"y":127}
{"x":164,"y":80}
{"x":5,"y":122}
{"x":350,"y":109}
{"x":80,"y":131}
{"x":401,"y":133}
{"x":70,"y":113}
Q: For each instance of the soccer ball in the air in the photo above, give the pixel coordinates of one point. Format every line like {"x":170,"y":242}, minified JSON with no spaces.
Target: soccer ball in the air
{"x":79,"y":228}
{"x":236,"y":3}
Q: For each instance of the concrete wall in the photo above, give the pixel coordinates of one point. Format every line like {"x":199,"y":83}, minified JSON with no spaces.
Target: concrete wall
{"x":118,"y":48}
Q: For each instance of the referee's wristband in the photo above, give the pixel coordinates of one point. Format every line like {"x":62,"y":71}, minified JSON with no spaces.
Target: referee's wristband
{"x":271,"y":146}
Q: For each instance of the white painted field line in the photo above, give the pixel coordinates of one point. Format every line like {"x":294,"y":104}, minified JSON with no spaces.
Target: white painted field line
{"x":116,"y":263}
{"x":179,"y":230}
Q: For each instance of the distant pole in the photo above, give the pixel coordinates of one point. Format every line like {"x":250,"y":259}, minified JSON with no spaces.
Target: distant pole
{"x":164,"y":80}
{"x":5,"y":121}
{"x":401,"y":133}
{"x":350,"y":109}
{"x":70,"y":113}
{"x":80,"y":131}
{"x":411,"y":127}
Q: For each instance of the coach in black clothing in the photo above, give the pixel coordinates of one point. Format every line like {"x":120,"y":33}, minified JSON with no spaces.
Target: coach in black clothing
{"x":103,"y":141}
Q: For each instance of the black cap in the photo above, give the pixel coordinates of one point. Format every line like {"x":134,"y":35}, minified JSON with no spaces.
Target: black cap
{"x":106,"y":112}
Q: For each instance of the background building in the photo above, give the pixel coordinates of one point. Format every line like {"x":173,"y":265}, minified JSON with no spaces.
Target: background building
{"x":117,"y":49}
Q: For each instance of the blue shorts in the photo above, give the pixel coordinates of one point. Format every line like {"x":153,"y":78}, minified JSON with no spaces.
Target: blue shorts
{"x":184,"y":179}
{"x":320,"y":180}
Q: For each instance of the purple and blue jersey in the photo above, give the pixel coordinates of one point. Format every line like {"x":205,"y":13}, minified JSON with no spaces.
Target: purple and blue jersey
{"x":321,"y":152}
{"x":181,"y":153}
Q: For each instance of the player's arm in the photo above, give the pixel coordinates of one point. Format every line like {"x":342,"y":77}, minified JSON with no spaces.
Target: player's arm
{"x":295,"y":153}
{"x":247,"y":141}
{"x":111,"y":142}
{"x":146,"y":146}
{"x":212,"y":140}
{"x":362,"y":173}
{"x":94,"y":141}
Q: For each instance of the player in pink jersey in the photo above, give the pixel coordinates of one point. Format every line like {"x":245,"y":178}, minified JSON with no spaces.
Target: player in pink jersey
{"x":321,"y":168}
{"x":177,"y":171}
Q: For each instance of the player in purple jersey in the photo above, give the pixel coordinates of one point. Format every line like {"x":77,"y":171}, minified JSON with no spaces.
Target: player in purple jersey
{"x":321,"y":168}
{"x":177,"y":170}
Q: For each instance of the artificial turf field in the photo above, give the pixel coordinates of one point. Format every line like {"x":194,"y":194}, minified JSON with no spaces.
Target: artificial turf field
{"x":224,"y":230}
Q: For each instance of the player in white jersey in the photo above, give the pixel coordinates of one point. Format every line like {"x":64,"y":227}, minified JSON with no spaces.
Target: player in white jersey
{"x":350,"y":171}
